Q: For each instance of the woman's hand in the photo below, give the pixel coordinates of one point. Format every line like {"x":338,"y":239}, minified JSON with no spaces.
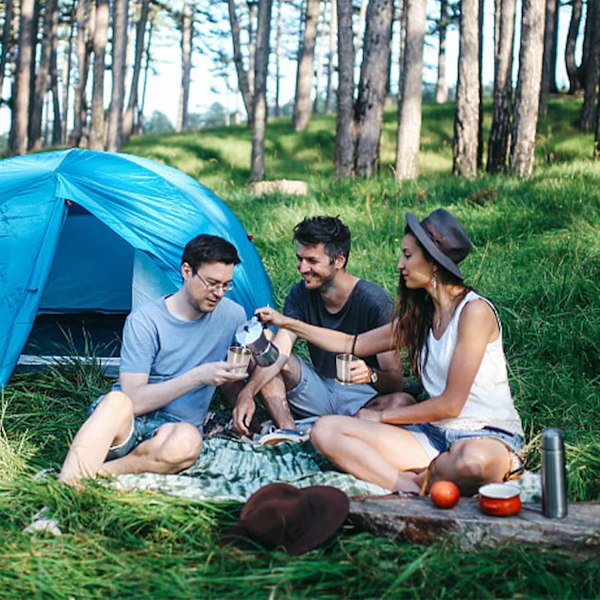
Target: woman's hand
{"x":269,"y":316}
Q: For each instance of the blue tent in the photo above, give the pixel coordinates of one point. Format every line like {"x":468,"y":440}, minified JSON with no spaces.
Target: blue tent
{"x":85,"y":231}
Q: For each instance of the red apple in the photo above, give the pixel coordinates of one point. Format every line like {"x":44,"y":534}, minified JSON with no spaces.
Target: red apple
{"x":444,"y":494}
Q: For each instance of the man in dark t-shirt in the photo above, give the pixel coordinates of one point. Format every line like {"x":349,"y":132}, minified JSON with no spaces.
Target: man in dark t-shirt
{"x":328,"y":296}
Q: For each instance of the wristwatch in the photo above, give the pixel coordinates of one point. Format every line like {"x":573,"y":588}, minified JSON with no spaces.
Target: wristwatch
{"x":373,"y":376}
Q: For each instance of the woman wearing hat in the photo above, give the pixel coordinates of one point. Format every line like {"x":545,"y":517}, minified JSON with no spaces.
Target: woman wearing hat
{"x":468,"y":430}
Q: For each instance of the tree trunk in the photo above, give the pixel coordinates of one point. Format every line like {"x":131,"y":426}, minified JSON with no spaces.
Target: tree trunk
{"x":504,"y":34}
{"x":259,"y":107}
{"x":84,"y":14}
{"x":572,"y":35}
{"x":67,"y":71}
{"x":319,"y":66}
{"x":139,"y":118}
{"x":528,"y":88}
{"x":140,"y":32}
{"x":480,"y":76}
{"x":344,"y":126}
{"x":466,"y":119}
{"x":43,"y":75}
{"x":278,"y":60}
{"x":591,"y":64}
{"x":119,"y":64}
{"x":246,"y":89}
{"x":549,"y":64}
{"x":97,"y":133}
{"x":332,"y":56}
{"x":22,"y":78}
{"x":441,"y":88}
{"x":597,"y":136}
{"x":372,"y":86}
{"x":411,"y":96}
{"x":304,"y":75}
{"x":56,"y":113}
{"x":187,"y":34}
{"x":6,"y":42}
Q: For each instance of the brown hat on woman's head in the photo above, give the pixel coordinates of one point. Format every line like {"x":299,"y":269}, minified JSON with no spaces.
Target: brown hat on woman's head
{"x":296,"y":520}
{"x":443,"y":237}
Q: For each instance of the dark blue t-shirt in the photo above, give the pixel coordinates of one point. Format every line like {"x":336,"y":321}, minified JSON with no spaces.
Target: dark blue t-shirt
{"x":368,"y":307}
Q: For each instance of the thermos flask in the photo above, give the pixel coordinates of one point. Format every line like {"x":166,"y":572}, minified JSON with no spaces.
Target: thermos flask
{"x":554,"y":475}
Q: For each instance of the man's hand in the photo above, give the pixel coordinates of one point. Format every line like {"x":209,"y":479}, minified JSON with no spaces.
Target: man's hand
{"x":243,"y":412}
{"x":360,"y":372}
{"x":368,"y":414}
{"x":218,"y":373}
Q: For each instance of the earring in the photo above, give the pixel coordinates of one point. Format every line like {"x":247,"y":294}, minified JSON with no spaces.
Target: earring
{"x":433,"y":282}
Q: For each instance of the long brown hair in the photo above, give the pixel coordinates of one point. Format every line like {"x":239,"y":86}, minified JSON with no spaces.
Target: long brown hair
{"x":414,"y":314}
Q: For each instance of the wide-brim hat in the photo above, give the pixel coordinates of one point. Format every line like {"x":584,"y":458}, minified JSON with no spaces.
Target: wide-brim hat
{"x":296,"y":520}
{"x":443,"y":237}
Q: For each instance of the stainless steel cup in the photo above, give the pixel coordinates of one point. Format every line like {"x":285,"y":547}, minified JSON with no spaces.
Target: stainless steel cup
{"x":343,"y":365}
{"x":239,"y":356}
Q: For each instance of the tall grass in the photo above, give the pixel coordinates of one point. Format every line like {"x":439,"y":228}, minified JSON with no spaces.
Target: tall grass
{"x":537,"y":257}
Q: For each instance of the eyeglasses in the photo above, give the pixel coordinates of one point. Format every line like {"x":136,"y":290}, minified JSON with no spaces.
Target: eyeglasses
{"x":213,"y":287}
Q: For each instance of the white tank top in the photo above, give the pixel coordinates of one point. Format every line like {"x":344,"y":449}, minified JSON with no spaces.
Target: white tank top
{"x":489,"y":402}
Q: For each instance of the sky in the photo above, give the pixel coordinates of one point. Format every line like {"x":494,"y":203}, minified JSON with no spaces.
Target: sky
{"x":164,"y":83}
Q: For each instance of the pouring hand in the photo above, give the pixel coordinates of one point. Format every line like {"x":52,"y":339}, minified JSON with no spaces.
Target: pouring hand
{"x":269,"y":316}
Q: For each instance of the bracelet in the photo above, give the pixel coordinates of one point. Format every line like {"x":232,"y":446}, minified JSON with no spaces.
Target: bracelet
{"x":354,"y":344}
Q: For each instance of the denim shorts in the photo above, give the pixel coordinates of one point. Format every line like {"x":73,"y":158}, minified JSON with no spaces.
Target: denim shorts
{"x":316,"y":395}
{"x":142,"y":428}
{"x":436,"y":440}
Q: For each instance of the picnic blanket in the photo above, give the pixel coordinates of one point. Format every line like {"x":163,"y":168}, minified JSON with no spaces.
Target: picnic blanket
{"x":233,"y":470}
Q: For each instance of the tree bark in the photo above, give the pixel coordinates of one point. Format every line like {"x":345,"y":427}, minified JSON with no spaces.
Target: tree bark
{"x":304,"y":75}
{"x":6,"y":42}
{"x":43,"y":75}
{"x":119,"y":51}
{"x":187,"y":34}
{"x":332,"y":56}
{"x":278,"y":60}
{"x":591,"y":67}
{"x":504,"y":33}
{"x":22,"y":79}
{"x":97,"y":133}
{"x":344,"y":127}
{"x":411,"y":94}
{"x":466,"y":119}
{"x":84,"y":15}
{"x":319,"y":65}
{"x":259,"y":106}
{"x":139,"y":119}
{"x":596,"y":153}
{"x":549,"y":64}
{"x":140,"y":32}
{"x":246,"y":89}
{"x":528,"y":88}
{"x":441,"y":87}
{"x":572,"y":68}
{"x":372,"y":86}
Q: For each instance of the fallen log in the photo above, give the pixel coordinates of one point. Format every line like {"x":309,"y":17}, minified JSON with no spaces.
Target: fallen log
{"x":417,"y":520}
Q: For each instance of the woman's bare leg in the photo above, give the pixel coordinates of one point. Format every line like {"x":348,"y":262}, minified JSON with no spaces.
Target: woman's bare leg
{"x":382,"y":454}
{"x":472,"y":463}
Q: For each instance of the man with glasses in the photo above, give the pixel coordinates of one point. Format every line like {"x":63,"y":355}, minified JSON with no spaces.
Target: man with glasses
{"x":172,"y":359}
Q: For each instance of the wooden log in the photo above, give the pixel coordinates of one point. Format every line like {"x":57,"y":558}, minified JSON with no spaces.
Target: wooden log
{"x":417,"y":520}
{"x":285,"y":186}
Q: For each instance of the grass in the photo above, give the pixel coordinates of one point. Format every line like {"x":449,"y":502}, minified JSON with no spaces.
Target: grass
{"x":537,"y":257}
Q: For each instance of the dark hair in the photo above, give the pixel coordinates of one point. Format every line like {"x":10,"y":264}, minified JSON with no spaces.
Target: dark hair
{"x":329,"y":231}
{"x":414,"y":313}
{"x":205,"y":248}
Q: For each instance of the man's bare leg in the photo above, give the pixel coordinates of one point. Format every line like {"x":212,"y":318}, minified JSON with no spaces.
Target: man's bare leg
{"x":274,"y":394}
{"x":174,"y":447}
{"x":109,"y":425}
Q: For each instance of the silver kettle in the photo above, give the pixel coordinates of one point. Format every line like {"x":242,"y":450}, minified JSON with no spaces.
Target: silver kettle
{"x":251,"y":335}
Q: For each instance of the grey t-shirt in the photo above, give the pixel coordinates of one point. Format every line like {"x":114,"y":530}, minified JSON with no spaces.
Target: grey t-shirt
{"x":157,"y":343}
{"x":368,"y":307}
